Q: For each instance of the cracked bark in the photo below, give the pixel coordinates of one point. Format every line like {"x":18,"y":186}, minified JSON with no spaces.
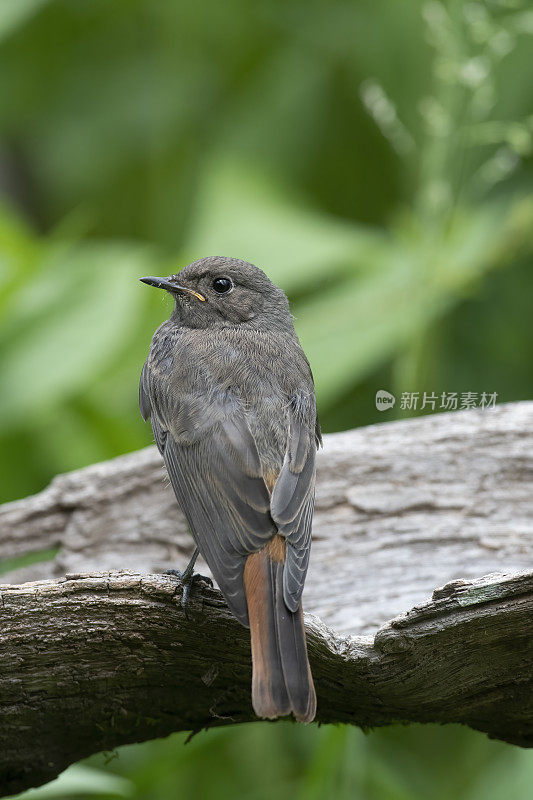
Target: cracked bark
{"x":97,"y":660}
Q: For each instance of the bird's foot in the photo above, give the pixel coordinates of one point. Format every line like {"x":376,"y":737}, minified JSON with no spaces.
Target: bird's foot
{"x":187,"y":578}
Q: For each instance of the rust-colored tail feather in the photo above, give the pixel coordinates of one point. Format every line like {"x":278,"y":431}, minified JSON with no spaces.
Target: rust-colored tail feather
{"x":282,"y":682}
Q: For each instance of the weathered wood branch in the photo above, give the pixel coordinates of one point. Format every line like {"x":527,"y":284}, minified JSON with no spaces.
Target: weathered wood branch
{"x":97,"y":660}
{"x":94,"y":661}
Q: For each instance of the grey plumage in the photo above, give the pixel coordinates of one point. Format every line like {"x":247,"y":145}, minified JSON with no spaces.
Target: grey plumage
{"x":231,"y":400}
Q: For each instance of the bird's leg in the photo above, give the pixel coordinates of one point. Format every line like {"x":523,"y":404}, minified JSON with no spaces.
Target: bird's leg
{"x":188,"y":572}
{"x":187,"y":578}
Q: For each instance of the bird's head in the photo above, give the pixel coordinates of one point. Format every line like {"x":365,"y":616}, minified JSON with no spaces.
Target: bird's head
{"x":222,"y":292}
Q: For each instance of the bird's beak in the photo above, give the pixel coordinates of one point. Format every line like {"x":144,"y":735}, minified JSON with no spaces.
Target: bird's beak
{"x":164,"y":283}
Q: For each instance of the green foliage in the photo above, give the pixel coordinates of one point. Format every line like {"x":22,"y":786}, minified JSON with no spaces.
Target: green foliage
{"x":289,"y":762}
{"x":375,"y":158}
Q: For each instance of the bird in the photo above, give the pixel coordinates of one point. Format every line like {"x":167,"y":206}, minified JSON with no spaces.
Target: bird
{"x":230,"y":396}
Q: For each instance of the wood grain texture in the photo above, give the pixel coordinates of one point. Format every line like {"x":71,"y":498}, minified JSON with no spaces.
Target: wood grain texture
{"x":94,"y":660}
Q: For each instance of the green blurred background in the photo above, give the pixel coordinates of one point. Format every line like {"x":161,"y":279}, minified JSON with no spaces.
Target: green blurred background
{"x":375,"y":158}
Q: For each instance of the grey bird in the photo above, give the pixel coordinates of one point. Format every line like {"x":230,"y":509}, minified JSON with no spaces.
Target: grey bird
{"x":230,"y":396}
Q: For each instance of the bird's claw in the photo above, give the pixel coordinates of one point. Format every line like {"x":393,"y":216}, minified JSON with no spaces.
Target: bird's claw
{"x":187,"y":578}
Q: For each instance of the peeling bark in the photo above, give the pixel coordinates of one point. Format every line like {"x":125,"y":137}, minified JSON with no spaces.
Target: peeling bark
{"x":401,"y":508}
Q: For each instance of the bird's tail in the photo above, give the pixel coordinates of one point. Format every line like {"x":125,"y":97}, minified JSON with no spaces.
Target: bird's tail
{"x":282,"y":682}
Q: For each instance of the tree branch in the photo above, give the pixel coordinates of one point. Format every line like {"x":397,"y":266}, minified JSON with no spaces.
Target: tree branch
{"x":97,"y":660}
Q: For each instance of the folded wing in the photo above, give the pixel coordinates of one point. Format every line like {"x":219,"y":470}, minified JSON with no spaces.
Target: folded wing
{"x":292,"y":505}
{"x":219,"y":486}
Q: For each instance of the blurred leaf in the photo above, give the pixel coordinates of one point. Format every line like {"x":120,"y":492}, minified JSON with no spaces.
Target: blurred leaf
{"x":349,"y":330}
{"x":243,"y":214}
{"x":511,"y":778}
{"x":67,"y":323}
{"x":353,"y":328}
{"x":18,"y":252}
{"x":14,"y":13}
{"x":80,"y":781}
{"x":11,"y":564}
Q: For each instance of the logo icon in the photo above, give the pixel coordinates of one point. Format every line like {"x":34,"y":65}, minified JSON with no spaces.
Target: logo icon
{"x":384,"y":400}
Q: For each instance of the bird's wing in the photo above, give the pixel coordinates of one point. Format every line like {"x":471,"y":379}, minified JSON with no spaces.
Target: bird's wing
{"x":293,"y":501}
{"x":218,"y":483}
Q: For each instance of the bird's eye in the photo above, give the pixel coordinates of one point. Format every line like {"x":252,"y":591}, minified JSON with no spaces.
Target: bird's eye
{"x":222,"y":285}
